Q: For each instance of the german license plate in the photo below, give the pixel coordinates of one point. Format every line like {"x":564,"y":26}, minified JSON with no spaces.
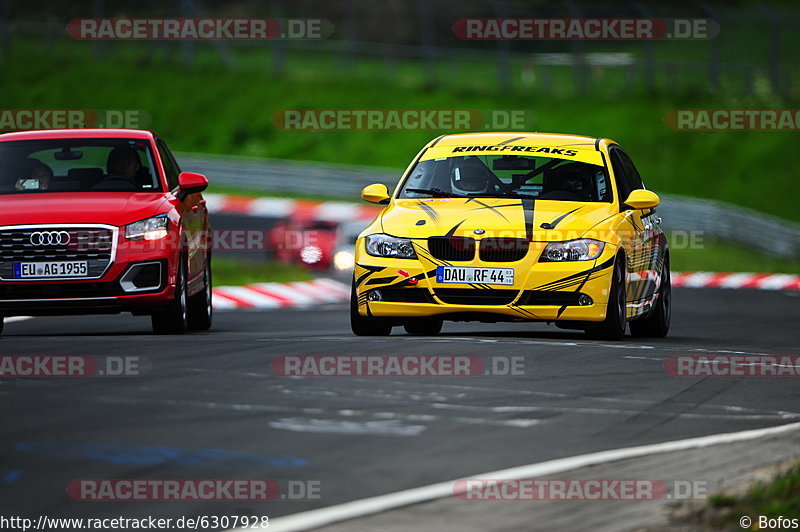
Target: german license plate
{"x":465,"y":274}
{"x":50,"y":270}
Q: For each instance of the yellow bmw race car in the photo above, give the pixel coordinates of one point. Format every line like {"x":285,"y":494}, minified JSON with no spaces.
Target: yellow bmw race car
{"x":514,"y":227}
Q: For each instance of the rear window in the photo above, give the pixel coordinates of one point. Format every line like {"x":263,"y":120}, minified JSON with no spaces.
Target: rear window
{"x":77,"y":165}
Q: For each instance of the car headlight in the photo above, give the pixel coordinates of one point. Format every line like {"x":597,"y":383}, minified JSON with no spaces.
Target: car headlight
{"x":153,"y":228}
{"x":390,"y":246}
{"x":582,"y":249}
{"x":344,"y":260}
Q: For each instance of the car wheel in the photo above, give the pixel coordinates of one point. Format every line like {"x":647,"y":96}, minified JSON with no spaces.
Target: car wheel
{"x":173,"y":319}
{"x":656,"y":323}
{"x":366,"y":325}
{"x":201,"y":313}
{"x":423,"y":327}
{"x":2,"y":319}
{"x":613,"y":327}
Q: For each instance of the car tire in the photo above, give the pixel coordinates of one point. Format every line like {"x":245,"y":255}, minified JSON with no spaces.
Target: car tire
{"x":423,"y":327}
{"x":366,"y":325}
{"x":2,"y":320}
{"x":656,"y":323}
{"x":201,"y":312}
{"x":613,"y":327}
{"x":174,"y":317}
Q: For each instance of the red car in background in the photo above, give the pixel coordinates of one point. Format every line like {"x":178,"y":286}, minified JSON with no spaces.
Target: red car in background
{"x":303,"y":240}
{"x":102,"y":221}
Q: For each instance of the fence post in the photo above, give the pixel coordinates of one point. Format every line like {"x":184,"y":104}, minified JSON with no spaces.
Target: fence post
{"x":278,"y":58}
{"x":503,"y":49}
{"x":713,"y":48}
{"x":427,"y":14}
{"x":578,"y":52}
{"x":774,"y":48}
{"x":649,"y":69}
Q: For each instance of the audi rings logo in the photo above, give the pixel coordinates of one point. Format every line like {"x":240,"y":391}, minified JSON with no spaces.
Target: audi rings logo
{"x":50,"y":238}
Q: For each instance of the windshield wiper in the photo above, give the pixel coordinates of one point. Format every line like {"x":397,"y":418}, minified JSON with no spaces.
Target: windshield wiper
{"x":435,"y":192}
{"x":501,"y":195}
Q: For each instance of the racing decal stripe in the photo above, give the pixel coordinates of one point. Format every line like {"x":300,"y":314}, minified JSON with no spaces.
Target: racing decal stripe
{"x":485,"y":206}
{"x":452,"y":231}
{"x":527,"y":207}
{"x":561,"y":311}
{"x":381,"y":280}
{"x":430,"y":212}
{"x":509,"y":141}
{"x":575,"y":276}
{"x":574,"y":282}
{"x":554,"y":223}
{"x":372,"y":269}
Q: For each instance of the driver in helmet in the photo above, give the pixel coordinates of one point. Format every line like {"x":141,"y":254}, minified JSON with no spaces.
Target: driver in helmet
{"x":574,"y":180}
{"x":470,"y":177}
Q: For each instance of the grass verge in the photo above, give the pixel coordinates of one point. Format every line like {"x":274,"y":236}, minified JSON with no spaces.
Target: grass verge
{"x":778,"y":499}
{"x":233,"y":272}
{"x":728,"y":257}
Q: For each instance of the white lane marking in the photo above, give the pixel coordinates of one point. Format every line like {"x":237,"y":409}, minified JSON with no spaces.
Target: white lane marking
{"x":381,"y":503}
{"x":14,"y":319}
{"x":390,"y":427}
{"x":513,"y":341}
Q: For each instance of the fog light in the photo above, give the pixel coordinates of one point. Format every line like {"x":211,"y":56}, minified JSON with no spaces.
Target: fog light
{"x":374,"y":295}
{"x":584,"y":300}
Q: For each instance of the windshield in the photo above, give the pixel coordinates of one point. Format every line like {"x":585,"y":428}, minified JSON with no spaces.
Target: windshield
{"x":77,"y":165}
{"x":505,"y":176}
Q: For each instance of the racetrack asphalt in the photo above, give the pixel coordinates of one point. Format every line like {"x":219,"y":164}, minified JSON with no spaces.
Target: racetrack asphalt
{"x":360,"y":437}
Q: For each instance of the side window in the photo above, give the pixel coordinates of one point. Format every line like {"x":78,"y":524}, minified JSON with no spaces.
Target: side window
{"x":170,"y":166}
{"x":631,"y":174}
{"x":620,"y":174}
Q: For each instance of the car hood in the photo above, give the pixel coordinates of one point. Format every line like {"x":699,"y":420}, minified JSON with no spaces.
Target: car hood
{"x":114,"y":208}
{"x":499,"y":217}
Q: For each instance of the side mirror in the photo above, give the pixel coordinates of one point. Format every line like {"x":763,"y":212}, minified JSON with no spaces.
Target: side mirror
{"x":642,"y":199}
{"x":191,"y":183}
{"x":377,"y":193}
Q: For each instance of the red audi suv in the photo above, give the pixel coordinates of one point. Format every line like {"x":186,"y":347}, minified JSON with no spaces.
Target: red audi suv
{"x":102,"y":221}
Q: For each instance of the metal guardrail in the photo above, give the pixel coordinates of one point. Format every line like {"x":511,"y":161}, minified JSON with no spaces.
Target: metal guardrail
{"x":709,"y":218}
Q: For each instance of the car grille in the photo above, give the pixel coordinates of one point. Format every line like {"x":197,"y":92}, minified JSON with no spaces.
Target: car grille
{"x":58,"y":291}
{"x":476,"y":296}
{"x":543,"y":297}
{"x":92,"y":244}
{"x":406,"y":295}
{"x":451,"y":248}
{"x":503,"y":249}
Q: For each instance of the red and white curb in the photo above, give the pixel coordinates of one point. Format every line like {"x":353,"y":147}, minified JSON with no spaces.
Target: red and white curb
{"x":760,"y":281}
{"x":337,"y":211}
{"x":280,"y":295}
{"x":323,"y":291}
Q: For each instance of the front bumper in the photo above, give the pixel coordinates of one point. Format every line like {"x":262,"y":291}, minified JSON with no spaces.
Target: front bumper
{"x":542,"y":291}
{"x":140,"y":279}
